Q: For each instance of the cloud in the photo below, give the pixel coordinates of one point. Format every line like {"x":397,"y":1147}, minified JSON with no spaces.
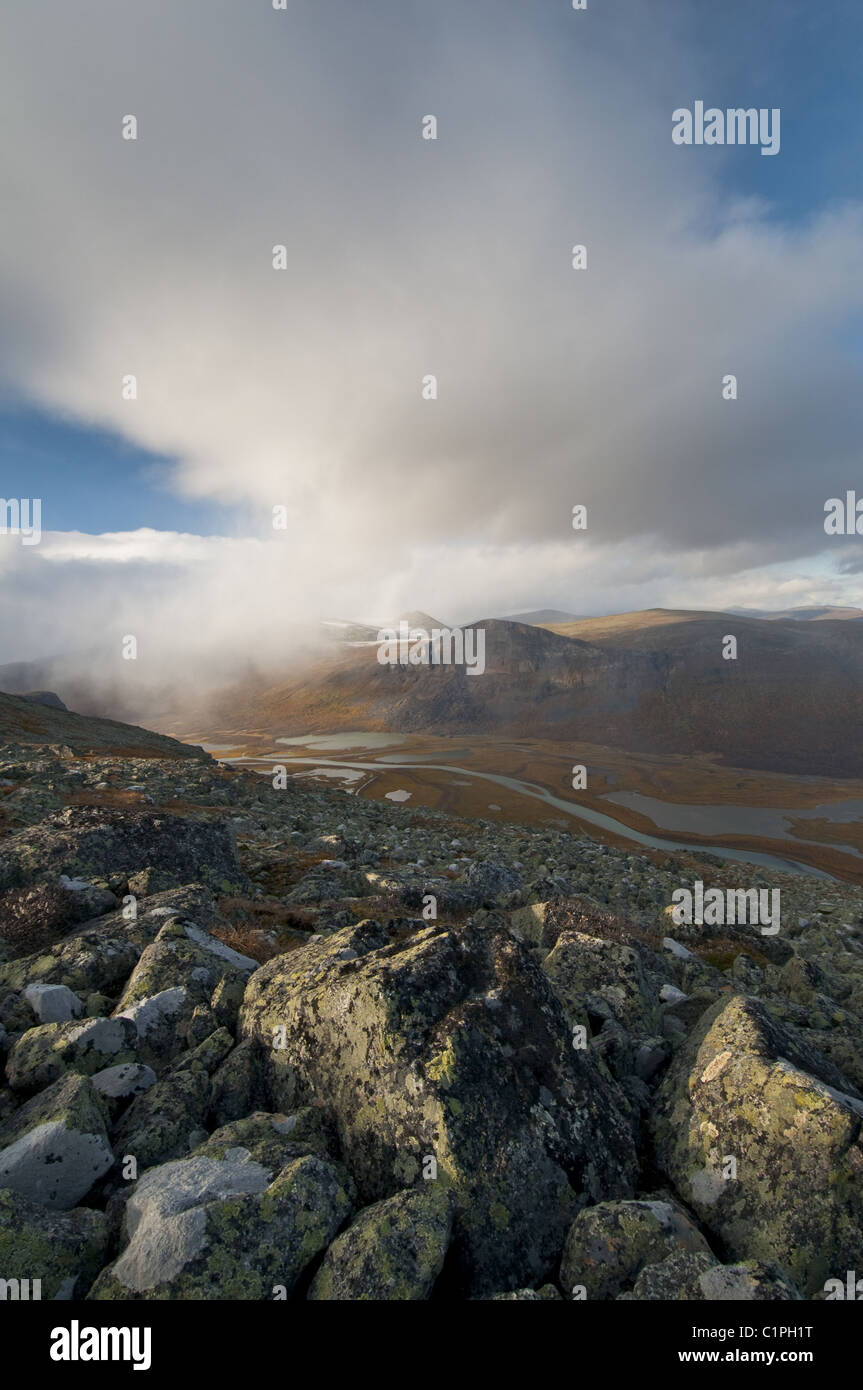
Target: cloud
{"x":408,"y":257}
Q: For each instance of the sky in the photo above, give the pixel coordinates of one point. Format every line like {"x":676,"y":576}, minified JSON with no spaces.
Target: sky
{"x":301,"y":389}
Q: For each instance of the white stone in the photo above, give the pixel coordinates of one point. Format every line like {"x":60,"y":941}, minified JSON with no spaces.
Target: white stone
{"x":670,"y":994}
{"x":53,"y":1003}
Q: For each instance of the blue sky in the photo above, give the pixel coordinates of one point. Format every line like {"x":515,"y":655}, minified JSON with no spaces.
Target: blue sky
{"x":95,"y":480}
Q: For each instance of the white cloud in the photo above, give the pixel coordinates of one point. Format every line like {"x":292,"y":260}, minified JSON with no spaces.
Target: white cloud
{"x":408,"y":257}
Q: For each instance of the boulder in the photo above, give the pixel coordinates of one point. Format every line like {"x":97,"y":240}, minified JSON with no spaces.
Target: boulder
{"x":449,"y":1047}
{"x":53,"y":1003}
{"x":240,"y":1084}
{"x":64,"y":1250}
{"x":393,"y":1250}
{"x":276,"y":1139}
{"x":54,"y":1148}
{"x":226,"y":1228}
{"x":602,"y":978}
{"x":743,"y":1088}
{"x":697,"y":1278}
{"x":608,"y":1245}
{"x":676,"y":1278}
{"x":87,"y":963}
{"x":121,"y":1083}
{"x":91,"y":842}
{"x":162,"y":1123}
{"x":44,"y":1054}
{"x":176,"y":975}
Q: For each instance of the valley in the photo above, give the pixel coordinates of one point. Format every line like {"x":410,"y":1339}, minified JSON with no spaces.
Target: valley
{"x":660,"y":802}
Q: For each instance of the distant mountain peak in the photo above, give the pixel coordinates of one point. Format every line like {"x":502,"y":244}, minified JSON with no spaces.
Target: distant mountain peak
{"x":416,"y":618}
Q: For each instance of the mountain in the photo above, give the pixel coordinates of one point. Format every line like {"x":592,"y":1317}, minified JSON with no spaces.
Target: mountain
{"x":26,"y":720}
{"x":416,"y":618}
{"x":540,"y":616}
{"x":615,"y":625}
{"x":651,"y":683}
{"x":803,"y":614}
{"x":44,"y":697}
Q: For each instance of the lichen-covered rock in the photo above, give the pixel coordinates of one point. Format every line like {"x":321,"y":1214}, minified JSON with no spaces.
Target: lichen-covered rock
{"x":609,"y":1244}
{"x":676,"y":1278}
{"x":748,"y":1282}
{"x":227,"y":997}
{"x":602,"y":978}
{"x":493,"y":884}
{"x":449,"y":1046}
{"x":161,"y":1023}
{"x":697,"y":1278}
{"x":172,"y":984}
{"x":99,"y":959}
{"x":274,"y":1139}
{"x":44,"y":1054}
{"x":16,"y":1015}
{"x":162,"y":1123}
{"x":240,"y":1084}
{"x":92,"y":961}
{"x":120,"y":1083}
{"x":393,"y":1250}
{"x":527,"y":924}
{"x":568,"y":913}
{"x":62,"y":1249}
{"x":149,"y":881}
{"x":184,"y":953}
{"x":327,"y":882}
{"x":54,"y":1148}
{"x":226,"y":1228}
{"x":91,"y":842}
{"x":743,"y":1088}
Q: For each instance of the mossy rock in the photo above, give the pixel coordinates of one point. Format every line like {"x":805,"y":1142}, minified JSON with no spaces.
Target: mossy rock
{"x":449,"y":1045}
{"x":393,"y":1251}
{"x":226,"y":1229}
{"x":608,"y":1245}
{"x":743,"y":1088}
{"x":44,"y":1054}
{"x":62,"y":1249}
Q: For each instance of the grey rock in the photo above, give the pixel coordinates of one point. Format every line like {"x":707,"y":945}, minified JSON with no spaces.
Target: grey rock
{"x":53,"y":1003}
{"x":54,"y":1148}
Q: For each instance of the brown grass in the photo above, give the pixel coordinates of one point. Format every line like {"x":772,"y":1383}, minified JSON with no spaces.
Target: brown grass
{"x":722,"y":951}
{"x":580,"y":915}
{"x":248,"y":940}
